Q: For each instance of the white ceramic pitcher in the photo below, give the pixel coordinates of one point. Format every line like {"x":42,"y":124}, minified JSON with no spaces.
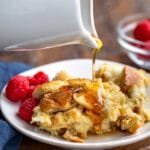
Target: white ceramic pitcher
{"x":40,"y":24}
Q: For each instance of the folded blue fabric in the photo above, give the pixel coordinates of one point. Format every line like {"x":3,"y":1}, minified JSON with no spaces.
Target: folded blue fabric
{"x":10,"y":139}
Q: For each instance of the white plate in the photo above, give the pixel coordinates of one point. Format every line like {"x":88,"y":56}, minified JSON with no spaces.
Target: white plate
{"x":79,"y":68}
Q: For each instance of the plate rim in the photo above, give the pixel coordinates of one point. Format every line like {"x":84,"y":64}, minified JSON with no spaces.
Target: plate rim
{"x":64,"y":143}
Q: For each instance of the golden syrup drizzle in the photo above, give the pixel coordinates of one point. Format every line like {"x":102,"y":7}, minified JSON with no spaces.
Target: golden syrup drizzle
{"x":95,"y":51}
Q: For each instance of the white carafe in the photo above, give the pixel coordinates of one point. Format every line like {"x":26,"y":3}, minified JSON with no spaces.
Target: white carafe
{"x":41,"y":24}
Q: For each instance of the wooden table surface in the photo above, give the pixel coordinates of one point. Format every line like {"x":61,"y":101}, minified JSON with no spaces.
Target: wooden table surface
{"x":107,"y":14}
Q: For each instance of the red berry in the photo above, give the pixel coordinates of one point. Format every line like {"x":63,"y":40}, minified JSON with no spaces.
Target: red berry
{"x":17,"y":88}
{"x":144,"y":57}
{"x":32,"y":80}
{"x":30,"y":91}
{"x":146,"y":46}
{"x":40,"y":77}
{"x":26,"y":109}
{"x":142,"y":31}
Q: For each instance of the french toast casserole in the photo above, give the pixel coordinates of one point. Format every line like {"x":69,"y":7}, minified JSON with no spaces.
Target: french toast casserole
{"x":73,"y":108}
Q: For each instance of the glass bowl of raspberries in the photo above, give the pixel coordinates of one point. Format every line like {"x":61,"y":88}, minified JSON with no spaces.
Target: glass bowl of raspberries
{"x":134,"y":37}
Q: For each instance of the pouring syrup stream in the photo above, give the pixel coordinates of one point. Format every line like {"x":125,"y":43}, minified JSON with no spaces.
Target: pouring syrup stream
{"x":95,"y":51}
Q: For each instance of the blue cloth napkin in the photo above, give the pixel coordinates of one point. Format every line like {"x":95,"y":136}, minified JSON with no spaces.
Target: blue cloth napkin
{"x":10,"y":139}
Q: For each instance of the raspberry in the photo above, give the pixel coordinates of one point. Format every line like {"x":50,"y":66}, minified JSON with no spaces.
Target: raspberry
{"x":26,"y":109}
{"x":145,"y":57}
{"x":30,"y":91}
{"x":142,"y":31}
{"x":39,"y":78}
{"x":146,"y":46}
{"x":32,"y":80}
{"x":17,"y":88}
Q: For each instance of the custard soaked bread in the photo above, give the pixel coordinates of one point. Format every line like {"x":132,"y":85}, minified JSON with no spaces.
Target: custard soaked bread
{"x":72,"y":108}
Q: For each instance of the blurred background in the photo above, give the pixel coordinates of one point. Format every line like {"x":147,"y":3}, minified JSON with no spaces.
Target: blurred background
{"x":107,"y":14}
